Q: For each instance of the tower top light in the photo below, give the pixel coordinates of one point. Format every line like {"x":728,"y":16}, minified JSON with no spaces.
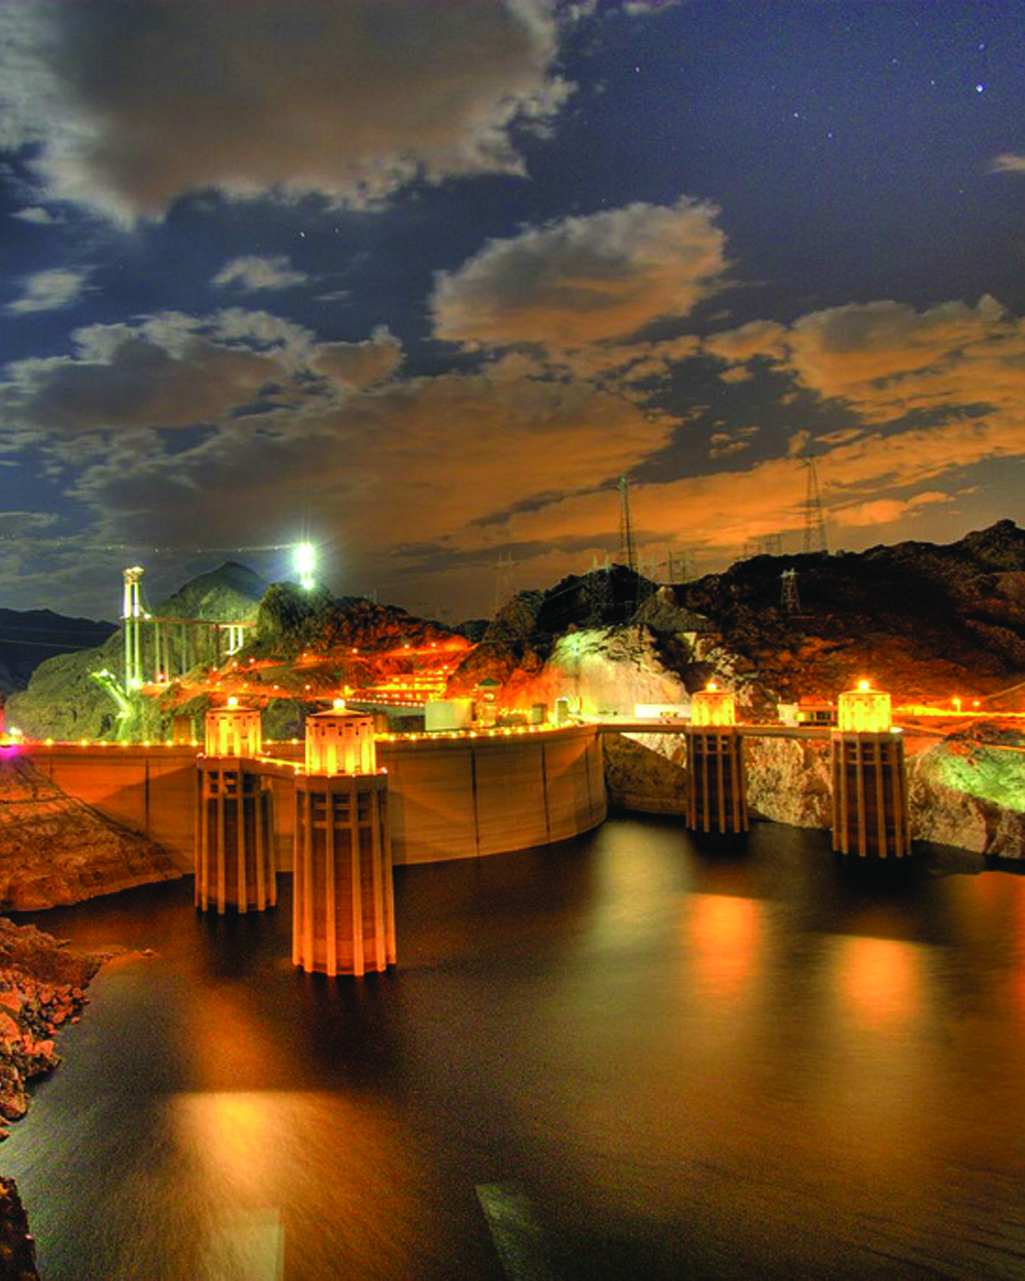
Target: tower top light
{"x":864,"y":710}
{"x":713,"y":706}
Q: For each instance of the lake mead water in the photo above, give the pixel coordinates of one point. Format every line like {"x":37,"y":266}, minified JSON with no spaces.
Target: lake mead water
{"x":630,"y":1055}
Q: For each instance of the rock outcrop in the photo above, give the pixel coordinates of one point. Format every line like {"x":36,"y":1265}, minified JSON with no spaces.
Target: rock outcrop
{"x":349,"y":630}
{"x":17,"y":1248}
{"x":56,"y":850}
{"x":968,"y":789}
{"x":645,"y":773}
{"x":41,"y":989}
{"x":525,"y":632}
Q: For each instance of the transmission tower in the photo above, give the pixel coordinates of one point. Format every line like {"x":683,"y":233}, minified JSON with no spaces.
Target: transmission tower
{"x":814,"y":520}
{"x":627,"y":549}
{"x":788,"y":596}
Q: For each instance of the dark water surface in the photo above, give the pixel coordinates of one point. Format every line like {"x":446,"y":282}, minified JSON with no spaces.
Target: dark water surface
{"x":626,"y":1056}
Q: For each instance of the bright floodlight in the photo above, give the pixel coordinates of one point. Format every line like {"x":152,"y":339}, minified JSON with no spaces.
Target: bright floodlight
{"x":305,"y":561}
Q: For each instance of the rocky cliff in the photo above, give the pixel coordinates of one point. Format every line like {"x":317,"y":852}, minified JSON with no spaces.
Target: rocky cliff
{"x":965,"y":788}
{"x":924,"y":621}
{"x":55,"y":849}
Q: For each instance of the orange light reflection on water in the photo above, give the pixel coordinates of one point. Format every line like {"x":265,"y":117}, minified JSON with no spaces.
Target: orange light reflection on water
{"x":879,"y":981}
{"x":726,"y":934}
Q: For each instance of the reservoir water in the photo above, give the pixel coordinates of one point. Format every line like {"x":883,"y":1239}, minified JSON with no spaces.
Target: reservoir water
{"x":629,"y":1055}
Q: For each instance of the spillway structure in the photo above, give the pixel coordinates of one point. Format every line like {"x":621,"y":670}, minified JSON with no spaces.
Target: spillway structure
{"x":343,"y":907}
{"x":234,"y":841}
{"x":716,"y":784}
{"x":870,"y":790}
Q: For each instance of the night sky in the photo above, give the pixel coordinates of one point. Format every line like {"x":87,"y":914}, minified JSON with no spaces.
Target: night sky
{"x":419,"y":280}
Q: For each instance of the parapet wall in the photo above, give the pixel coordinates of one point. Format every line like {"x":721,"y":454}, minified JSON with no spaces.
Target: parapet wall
{"x":448,"y":796}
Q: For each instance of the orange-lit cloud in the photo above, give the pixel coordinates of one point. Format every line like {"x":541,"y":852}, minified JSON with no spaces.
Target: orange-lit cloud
{"x":584,"y":280}
{"x":360,"y":364}
{"x":418,"y":461}
{"x":887,"y":360}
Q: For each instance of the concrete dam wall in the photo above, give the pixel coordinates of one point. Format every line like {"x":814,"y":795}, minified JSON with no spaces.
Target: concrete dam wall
{"x":448,"y":797}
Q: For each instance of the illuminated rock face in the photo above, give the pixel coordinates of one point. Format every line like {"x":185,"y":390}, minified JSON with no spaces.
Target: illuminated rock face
{"x":969,"y":791}
{"x":788,"y":781}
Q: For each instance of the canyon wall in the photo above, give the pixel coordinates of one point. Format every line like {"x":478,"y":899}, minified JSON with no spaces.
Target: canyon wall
{"x":966,"y":790}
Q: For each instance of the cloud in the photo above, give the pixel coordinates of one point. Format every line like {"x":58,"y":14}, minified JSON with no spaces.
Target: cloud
{"x":1008,"y":162}
{"x":128,"y":106}
{"x":20,"y":524}
{"x":360,"y":364}
{"x":937,"y":392}
{"x":253,"y":272}
{"x":713,"y":515}
{"x":886,"y":511}
{"x":638,"y":8}
{"x":584,"y":280}
{"x":170,"y":371}
{"x":49,"y":290}
{"x":378,"y":470}
{"x":722,"y":444}
{"x":757,"y":338}
{"x":887,"y":361}
{"x":38,"y":215}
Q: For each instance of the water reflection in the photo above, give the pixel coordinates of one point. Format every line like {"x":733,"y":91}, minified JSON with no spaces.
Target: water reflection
{"x":647,"y":1056}
{"x":879,"y":982}
{"x":726,"y":938}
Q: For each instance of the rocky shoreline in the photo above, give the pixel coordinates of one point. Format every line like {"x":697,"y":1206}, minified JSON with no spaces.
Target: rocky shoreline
{"x":42,"y":984}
